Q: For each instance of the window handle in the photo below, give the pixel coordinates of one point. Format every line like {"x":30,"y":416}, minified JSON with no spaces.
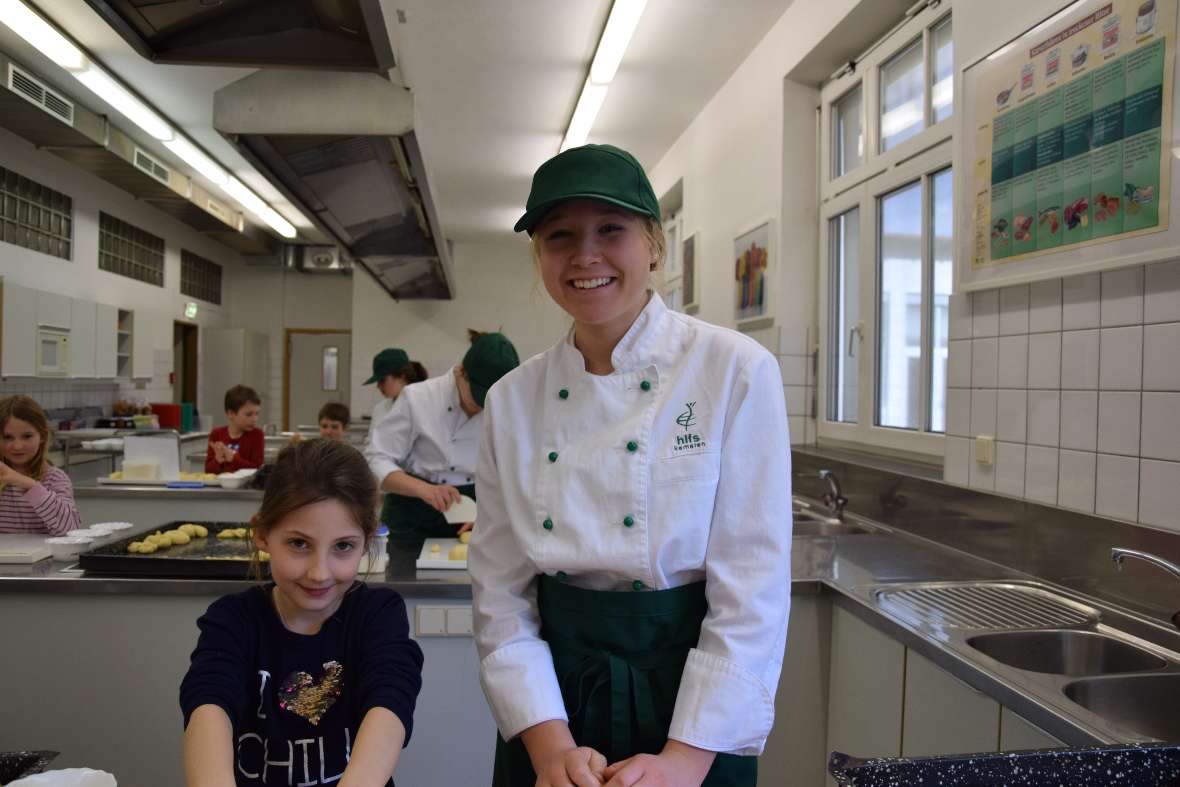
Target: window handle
{"x":858,"y":331}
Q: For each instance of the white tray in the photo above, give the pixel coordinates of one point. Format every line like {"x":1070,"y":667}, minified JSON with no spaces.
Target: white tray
{"x":427,"y":559}
{"x":23,"y":548}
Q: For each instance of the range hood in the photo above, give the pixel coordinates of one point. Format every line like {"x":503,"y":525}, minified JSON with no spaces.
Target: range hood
{"x":331,"y":34}
{"x":33,"y":109}
{"x":341,"y":147}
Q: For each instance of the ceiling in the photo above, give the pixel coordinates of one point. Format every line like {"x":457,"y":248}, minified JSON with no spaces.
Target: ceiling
{"x":494,"y":85}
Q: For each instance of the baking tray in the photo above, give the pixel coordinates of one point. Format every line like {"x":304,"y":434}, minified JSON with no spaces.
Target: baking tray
{"x":201,"y":558}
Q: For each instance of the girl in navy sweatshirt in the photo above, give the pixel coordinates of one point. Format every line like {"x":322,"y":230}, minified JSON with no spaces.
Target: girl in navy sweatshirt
{"x":312,"y":678}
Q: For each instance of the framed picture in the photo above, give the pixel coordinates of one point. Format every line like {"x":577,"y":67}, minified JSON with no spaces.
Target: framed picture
{"x":673,"y":297}
{"x":688,"y":265}
{"x":751,"y":273}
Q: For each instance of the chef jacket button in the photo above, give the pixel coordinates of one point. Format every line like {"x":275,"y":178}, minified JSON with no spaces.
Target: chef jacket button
{"x":628,"y":521}
{"x":563,"y":394}
{"x":632,"y":446}
{"x":561,"y":576}
{"x":645,"y":385}
{"x":469,"y":479}
{"x":552,"y":456}
{"x":637,"y":585}
{"x":450,"y":409}
{"x":547,"y":524}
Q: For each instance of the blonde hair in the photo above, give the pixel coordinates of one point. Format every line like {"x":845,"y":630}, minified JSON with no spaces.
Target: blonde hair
{"x":653,"y":233}
{"x":26,"y":409}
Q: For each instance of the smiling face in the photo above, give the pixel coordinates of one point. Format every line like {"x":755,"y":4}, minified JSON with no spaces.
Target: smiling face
{"x":315,"y":552}
{"x":21,"y":443}
{"x":596,"y":262}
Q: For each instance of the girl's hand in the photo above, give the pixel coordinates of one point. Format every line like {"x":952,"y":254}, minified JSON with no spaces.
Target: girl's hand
{"x":678,"y":765}
{"x":580,"y":767}
{"x":10,"y":477}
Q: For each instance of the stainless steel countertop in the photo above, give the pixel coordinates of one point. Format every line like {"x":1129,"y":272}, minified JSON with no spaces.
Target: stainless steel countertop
{"x":137,"y":492}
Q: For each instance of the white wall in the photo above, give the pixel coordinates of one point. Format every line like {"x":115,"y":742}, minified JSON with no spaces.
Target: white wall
{"x":496,"y":290}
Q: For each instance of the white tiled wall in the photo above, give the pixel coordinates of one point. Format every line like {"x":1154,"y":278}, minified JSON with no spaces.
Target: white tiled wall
{"x":1078,"y":381}
{"x":59,"y":394}
{"x":796,"y":364}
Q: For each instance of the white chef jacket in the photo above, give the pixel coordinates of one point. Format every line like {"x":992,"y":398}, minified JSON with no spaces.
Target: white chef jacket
{"x":380,"y":410}
{"x":427,"y":434}
{"x":697,"y":459}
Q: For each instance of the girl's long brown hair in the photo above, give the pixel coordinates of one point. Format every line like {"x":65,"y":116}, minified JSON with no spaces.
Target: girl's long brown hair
{"x":26,"y":409}
{"x":312,"y":471}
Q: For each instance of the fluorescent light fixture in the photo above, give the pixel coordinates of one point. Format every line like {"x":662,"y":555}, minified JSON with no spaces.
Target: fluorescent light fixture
{"x":584,"y":114}
{"x":249,"y":200}
{"x":620,"y":26}
{"x":277,"y":222}
{"x":42,"y":35}
{"x":105,"y":87}
{"x":189,"y":154}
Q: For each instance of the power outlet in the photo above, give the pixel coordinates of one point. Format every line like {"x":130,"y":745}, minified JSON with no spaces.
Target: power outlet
{"x":985,"y":450}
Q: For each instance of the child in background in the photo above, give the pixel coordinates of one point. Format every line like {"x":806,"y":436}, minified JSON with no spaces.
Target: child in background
{"x":240,"y":443}
{"x":313,"y":677}
{"x":35,"y":496}
{"x":333,"y":420}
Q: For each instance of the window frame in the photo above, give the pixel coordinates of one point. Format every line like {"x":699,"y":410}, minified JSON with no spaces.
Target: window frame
{"x":917,"y":159}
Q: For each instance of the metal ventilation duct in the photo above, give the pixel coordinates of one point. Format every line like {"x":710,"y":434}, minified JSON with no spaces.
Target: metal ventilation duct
{"x":33,"y":109}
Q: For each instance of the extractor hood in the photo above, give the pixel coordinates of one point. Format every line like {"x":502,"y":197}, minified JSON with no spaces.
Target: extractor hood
{"x":342,"y":148}
{"x":331,"y":34}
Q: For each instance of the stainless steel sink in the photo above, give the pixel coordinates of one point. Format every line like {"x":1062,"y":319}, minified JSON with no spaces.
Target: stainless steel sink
{"x":826,"y":527}
{"x":1073,"y":653}
{"x":1146,"y":704}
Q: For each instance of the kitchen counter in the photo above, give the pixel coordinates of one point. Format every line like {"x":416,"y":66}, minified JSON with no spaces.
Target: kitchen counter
{"x":153,"y":506}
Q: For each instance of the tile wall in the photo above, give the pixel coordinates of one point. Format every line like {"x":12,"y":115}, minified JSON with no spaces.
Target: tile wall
{"x":1078,"y":381}
{"x":796,"y":364}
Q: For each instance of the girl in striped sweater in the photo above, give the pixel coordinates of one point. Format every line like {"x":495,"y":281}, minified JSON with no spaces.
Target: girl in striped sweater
{"x":35,"y":496}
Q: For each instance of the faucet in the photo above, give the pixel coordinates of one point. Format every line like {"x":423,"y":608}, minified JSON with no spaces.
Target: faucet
{"x":1117,"y":554}
{"x":834,"y":498}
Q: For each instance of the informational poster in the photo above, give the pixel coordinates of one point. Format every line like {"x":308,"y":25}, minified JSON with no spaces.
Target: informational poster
{"x":1072,"y":141}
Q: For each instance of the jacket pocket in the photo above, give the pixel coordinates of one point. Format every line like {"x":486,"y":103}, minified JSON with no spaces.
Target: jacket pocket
{"x":689,"y":467}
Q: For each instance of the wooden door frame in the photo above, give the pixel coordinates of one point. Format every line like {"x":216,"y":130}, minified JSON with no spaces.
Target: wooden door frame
{"x":287,"y":333}
{"x":191,"y":366}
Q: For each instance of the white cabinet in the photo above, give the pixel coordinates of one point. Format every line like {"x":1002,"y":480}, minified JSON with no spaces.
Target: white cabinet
{"x":943,"y":715}
{"x":1016,"y":734}
{"x":83,"y":317}
{"x":54,"y":311}
{"x":865,"y":689}
{"x":18,"y":331}
{"x":105,"y":340}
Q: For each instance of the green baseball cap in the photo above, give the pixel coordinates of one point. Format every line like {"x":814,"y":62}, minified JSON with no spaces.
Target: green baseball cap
{"x":389,"y":361}
{"x":489,"y":358}
{"x":601,"y":172}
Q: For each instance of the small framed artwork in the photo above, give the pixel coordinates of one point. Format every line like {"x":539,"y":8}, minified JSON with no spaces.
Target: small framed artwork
{"x":751,"y":274}
{"x":688,"y":266}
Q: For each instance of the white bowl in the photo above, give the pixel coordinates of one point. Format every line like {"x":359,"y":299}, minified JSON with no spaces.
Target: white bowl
{"x":235,"y":480}
{"x":118,"y":529}
{"x":68,"y":547}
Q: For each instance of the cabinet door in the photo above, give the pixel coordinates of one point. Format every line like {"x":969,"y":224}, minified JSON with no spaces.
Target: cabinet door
{"x":943,"y":715}
{"x":1016,"y":734}
{"x":54,"y":311}
{"x":18,"y":338}
{"x":83,"y":318}
{"x":145,"y":326}
{"x":865,"y":690}
{"x":106,"y":320}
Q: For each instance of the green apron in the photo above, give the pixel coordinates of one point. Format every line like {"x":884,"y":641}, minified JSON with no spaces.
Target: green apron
{"x":410,"y":519}
{"x":619,"y":657}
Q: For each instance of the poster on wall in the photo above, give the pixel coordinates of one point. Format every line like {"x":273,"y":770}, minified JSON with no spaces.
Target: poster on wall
{"x":751,"y":263}
{"x":1068,"y":142}
{"x":689,"y":280}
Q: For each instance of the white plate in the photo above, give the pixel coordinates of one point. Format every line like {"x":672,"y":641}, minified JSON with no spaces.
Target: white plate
{"x":462,"y":512}
{"x":428,"y":559}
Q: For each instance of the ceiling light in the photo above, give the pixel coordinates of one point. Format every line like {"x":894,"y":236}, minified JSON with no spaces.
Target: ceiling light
{"x":42,"y":35}
{"x":620,"y":25}
{"x":277,"y":222}
{"x":584,"y":114}
{"x":110,"y":91}
{"x":191,"y":155}
{"x":249,"y":200}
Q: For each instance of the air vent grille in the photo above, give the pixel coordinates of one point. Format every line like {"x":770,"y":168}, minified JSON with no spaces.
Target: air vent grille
{"x":216,"y":210}
{"x":152,"y":167}
{"x":39,"y":94}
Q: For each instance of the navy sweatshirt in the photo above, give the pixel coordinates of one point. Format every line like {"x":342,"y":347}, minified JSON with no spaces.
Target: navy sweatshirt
{"x":297,"y":701}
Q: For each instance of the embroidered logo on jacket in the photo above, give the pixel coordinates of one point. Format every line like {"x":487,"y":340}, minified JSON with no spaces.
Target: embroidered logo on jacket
{"x":304,"y":697}
{"x":689,"y":441}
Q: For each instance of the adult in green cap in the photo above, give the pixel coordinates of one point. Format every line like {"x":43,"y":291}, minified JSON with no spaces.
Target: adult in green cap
{"x":424,"y":450}
{"x":631,"y":567}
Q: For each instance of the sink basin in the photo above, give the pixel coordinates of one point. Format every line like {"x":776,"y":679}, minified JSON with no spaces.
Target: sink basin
{"x":1145,"y":704}
{"x":1073,"y":653}
{"x":826,"y":527}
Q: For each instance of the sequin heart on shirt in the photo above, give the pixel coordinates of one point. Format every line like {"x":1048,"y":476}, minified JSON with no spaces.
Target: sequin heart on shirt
{"x":308,"y":699}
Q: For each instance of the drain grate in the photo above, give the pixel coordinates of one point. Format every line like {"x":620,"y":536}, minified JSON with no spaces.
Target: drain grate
{"x":991,"y":606}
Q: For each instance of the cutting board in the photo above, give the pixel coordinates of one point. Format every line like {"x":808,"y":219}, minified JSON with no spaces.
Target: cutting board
{"x":20,"y":548}
{"x":428,"y":559}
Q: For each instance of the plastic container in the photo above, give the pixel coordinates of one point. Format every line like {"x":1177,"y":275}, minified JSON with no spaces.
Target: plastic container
{"x":378,"y":557}
{"x":188,"y":417}
{"x":169,"y":415}
{"x":68,"y":547}
{"x":235,"y":480}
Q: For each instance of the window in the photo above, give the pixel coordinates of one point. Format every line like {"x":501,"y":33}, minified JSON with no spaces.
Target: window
{"x":34,"y":216}
{"x":129,"y":251}
{"x":887,"y":220}
{"x":331,"y":364}
{"x":199,"y":277}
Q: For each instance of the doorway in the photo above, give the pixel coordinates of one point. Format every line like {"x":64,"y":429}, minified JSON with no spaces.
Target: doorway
{"x":184,"y":362}
{"x":317,"y":368}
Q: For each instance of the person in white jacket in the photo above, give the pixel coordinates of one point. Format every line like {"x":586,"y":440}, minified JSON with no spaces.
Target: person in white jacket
{"x":630,"y":562}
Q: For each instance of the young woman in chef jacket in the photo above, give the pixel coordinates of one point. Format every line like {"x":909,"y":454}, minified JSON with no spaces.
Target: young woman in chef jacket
{"x":631,"y":559}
